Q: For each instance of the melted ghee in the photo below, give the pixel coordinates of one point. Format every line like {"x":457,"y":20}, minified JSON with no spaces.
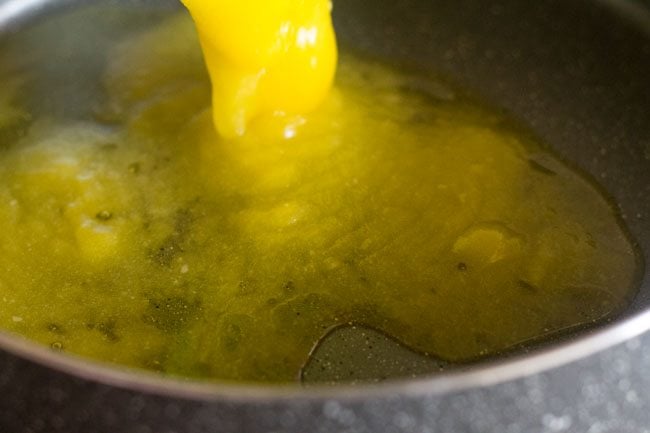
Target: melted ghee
{"x":397,"y":204}
{"x":265,"y":57}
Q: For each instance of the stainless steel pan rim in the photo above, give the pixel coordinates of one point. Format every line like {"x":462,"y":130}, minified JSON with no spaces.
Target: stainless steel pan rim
{"x":15,"y":12}
{"x":485,"y":375}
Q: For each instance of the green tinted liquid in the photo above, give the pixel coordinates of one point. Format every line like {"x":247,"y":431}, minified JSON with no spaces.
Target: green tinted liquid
{"x":397,"y":205}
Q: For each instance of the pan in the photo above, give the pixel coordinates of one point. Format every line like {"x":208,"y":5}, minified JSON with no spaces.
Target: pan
{"x":575,"y":72}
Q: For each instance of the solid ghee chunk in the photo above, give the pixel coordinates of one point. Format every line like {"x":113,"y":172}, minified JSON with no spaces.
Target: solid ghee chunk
{"x":265,"y":57}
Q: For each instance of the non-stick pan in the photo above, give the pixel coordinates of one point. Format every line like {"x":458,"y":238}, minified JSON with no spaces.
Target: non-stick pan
{"x":576,"y":72}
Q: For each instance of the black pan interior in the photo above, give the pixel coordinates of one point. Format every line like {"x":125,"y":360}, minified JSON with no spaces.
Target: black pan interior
{"x":576,"y":72}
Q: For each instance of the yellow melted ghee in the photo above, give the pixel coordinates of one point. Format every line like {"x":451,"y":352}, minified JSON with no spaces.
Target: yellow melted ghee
{"x":396,"y":204}
{"x":265,"y":57}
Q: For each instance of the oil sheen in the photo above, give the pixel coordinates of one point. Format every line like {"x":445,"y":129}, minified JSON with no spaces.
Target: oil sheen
{"x":145,"y":239}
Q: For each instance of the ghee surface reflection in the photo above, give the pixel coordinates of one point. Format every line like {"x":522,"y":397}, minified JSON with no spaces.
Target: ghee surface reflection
{"x":396,"y":204}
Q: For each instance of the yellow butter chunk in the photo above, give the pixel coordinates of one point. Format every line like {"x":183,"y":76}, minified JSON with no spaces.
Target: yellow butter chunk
{"x":265,"y":57}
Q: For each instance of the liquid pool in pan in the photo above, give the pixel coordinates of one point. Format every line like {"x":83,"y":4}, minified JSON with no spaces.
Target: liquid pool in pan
{"x":143,"y":239}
